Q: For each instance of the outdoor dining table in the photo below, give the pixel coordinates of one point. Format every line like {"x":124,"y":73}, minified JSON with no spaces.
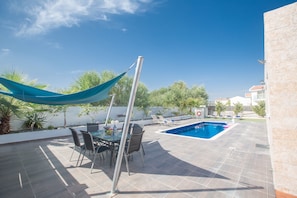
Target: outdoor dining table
{"x":112,"y":140}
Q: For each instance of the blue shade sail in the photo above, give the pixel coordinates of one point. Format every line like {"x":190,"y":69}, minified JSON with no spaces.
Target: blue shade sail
{"x":31,"y":94}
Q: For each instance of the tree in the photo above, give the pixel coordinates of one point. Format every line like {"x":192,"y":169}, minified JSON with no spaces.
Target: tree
{"x":158,"y":97}
{"x":180,"y":96}
{"x":198,"y":97}
{"x":238,"y":108}
{"x":86,"y":81}
{"x":121,"y":90}
{"x":259,"y":109}
{"x":141,"y":99}
{"x":177,"y":95}
{"x":192,"y":102}
{"x":220,"y":107}
{"x":63,"y":108}
{"x":200,"y":93}
{"x":10,"y":106}
{"x":60,"y":108}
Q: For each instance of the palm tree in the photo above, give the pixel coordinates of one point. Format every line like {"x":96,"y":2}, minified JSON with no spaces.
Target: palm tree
{"x":86,"y":81}
{"x":10,"y":106}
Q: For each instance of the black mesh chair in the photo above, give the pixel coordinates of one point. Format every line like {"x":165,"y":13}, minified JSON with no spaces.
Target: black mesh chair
{"x":92,"y":127}
{"x":90,"y":146}
{"x":77,"y":145}
{"x":134,"y":144}
{"x":137,"y":129}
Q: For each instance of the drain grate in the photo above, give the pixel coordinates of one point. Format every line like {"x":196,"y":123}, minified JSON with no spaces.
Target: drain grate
{"x":262,"y":146}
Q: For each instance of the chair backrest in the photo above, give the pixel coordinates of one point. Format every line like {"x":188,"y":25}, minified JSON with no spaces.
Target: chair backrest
{"x":137,"y":129}
{"x":131,"y":125}
{"x":92,"y":127}
{"x":75,"y":137}
{"x":88,"y":139}
{"x":135,"y":139}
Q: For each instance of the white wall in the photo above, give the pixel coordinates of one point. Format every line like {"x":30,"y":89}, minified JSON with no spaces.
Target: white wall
{"x":242,"y":100}
{"x":37,"y":135}
{"x":73,"y":118}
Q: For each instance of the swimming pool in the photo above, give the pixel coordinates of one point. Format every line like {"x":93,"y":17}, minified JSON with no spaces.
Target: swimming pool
{"x":205,"y":130}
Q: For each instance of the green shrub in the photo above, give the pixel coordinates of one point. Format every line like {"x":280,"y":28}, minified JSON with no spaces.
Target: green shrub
{"x":260,"y":109}
{"x":35,"y":120}
{"x":50,"y":127}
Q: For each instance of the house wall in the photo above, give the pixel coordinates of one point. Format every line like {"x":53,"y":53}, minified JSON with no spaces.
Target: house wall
{"x":242,"y":100}
{"x":280,"y":32}
{"x":255,"y":98}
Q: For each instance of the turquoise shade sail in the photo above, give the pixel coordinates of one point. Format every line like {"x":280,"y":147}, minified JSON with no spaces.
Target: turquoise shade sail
{"x":34,"y":95}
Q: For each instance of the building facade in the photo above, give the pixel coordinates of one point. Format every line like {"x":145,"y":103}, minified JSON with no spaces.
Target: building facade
{"x":280,"y":33}
{"x":257,"y":93}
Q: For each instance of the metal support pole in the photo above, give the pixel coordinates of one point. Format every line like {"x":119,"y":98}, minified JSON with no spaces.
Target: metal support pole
{"x":109,"y":110}
{"x":126,"y":125}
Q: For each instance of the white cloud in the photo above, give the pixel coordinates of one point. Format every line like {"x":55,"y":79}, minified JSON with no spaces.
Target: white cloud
{"x":5,"y":51}
{"x":44,"y":16}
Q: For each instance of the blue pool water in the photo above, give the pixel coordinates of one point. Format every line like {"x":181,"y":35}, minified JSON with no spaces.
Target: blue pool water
{"x":200,"y":130}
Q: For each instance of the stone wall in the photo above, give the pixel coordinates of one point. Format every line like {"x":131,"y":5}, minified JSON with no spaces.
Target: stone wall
{"x":280,"y":32}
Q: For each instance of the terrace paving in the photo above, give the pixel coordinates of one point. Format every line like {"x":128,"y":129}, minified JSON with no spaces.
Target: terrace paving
{"x":237,"y":164}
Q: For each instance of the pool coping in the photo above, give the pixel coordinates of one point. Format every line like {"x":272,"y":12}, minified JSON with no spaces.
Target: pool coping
{"x":230,"y":126}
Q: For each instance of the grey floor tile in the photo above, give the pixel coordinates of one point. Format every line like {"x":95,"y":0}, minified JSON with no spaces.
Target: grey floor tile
{"x":234,"y":165}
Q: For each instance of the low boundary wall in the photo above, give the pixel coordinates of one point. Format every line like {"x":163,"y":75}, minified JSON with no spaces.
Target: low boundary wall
{"x":55,"y":133}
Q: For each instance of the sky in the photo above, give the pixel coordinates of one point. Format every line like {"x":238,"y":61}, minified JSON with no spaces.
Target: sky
{"x":209,"y":43}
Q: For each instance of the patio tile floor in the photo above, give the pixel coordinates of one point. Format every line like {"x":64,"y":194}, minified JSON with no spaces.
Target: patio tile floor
{"x":237,"y":164}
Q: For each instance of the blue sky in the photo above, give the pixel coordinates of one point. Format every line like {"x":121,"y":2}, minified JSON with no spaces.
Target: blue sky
{"x":210,"y":43}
